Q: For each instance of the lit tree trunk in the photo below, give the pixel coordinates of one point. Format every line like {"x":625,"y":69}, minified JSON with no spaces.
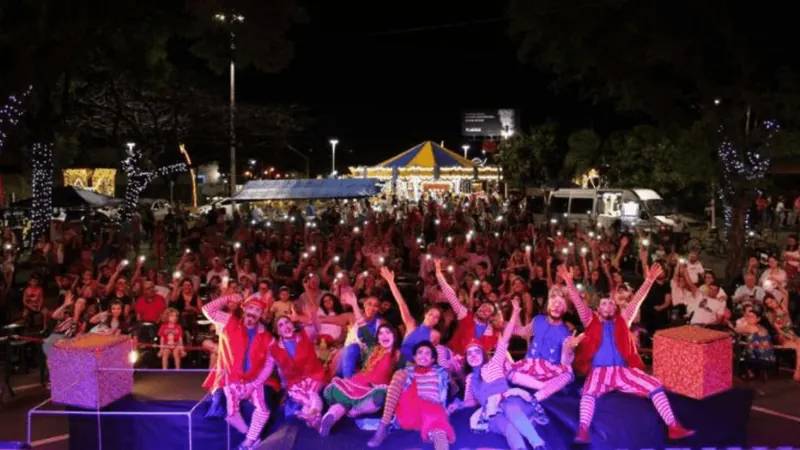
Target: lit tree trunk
{"x":42,"y":190}
{"x":737,"y":235}
{"x":138,"y":179}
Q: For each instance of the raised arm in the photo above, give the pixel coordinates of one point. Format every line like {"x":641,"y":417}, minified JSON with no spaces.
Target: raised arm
{"x":629,"y":313}
{"x":500,"y":356}
{"x":405,"y":314}
{"x":448,"y":292}
{"x":213,"y":310}
{"x":584,"y":312}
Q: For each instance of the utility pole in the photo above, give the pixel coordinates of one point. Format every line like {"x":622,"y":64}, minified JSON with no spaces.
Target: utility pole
{"x":231,"y":19}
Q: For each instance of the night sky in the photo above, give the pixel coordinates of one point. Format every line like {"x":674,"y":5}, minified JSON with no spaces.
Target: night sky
{"x":384,"y":76}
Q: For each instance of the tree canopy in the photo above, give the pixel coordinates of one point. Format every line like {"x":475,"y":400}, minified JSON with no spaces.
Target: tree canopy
{"x":103,"y":73}
{"x":714,"y":77}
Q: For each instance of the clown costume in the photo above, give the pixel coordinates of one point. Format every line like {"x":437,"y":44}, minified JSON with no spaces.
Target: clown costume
{"x":504,"y":410}
{"x":244,"y":363}
{"x":609,"y":357}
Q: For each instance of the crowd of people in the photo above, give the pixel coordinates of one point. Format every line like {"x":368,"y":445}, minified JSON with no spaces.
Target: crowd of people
{"x":408,"y":309}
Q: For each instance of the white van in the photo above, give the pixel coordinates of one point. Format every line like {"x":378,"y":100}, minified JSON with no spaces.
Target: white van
{"x":632,"y":207}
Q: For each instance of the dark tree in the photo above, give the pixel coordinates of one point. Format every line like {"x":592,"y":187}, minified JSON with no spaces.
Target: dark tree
{"x":710,"y":74}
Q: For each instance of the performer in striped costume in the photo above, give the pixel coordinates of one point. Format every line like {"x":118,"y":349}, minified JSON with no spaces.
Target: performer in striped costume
{"x":301,"y":372}
{"x":609,"y":356}
{"x":547,"y":364}
{"x":365,"y":392}
{"x":507,"y":411}
{"x":470,"y":326}
{"x":244,"y":364}
{"x":417,"y":398}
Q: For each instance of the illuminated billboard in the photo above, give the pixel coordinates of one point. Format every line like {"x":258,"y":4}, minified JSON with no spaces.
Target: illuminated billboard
{"x":489,"y":123}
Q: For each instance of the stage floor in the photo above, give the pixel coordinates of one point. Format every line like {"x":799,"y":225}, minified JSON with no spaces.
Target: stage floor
{"x":621,"y":421}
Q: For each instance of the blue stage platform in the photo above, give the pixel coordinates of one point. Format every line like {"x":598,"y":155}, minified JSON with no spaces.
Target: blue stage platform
{"x":621,"y":421}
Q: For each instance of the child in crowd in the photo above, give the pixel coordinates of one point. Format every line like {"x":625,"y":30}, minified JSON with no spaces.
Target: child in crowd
{"x":171,"y":337}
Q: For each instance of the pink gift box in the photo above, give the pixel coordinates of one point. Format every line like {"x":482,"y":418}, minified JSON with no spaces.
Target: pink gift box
{"x":76,"y":367}
{"x":693,"y":361}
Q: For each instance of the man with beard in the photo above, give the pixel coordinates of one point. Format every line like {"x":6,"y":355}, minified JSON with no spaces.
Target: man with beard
{"x":546,"y":366}
{"x":609,"y":357}
{"x":470,"y":326}
{"x":244,"y":363}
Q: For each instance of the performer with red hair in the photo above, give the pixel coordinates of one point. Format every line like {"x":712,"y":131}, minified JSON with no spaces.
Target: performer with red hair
{"x":609,"y":356}
{"x":244,"y":363}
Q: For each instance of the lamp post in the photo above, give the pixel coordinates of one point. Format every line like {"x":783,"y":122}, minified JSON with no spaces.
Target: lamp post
{"x":466,"y":150}
{"x":230,"y":20}
{"x":333,"y":154}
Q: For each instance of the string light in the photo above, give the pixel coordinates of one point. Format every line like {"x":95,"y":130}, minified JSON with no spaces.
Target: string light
{"x":10,"y":113}
{"x":42,"y":187}
{"x":138,"y":179}
{"x":748,"y":165}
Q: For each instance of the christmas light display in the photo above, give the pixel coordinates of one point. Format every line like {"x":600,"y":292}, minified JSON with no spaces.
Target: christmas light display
{"x":748,"y":165}
{"x":42,"y":187}
{"x":138,"y":179}
{"x":10,"y":113}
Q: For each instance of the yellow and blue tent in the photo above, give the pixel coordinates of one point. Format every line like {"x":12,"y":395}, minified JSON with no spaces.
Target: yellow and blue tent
{"x":427,"y":154}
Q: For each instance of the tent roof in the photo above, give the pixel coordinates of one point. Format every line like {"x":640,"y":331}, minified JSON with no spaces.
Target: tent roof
{"x":73,"y":197}
{"x":427,"y":154}
{"x":308,"y":189}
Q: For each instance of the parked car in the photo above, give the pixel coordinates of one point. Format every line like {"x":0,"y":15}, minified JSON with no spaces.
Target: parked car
{"x":159,"y":206}
{"x":226,"y":203}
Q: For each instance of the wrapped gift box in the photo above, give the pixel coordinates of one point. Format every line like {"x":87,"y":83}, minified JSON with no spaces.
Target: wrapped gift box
{"x":693,"y":361}
{"x":76,"y":367}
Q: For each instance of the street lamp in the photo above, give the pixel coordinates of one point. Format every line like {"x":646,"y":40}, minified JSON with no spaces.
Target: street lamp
{"x":333,"y":154}
{"x":230,"y":20}
{"x":466,"y":150}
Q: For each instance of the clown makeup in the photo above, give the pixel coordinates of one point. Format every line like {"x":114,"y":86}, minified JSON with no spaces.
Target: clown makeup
{"x":252,"y":314}
{"x":474,"y":356}
{"x":285,"y":327}
{"x":423,"y":357}
{"x":556,"y":307}
{"x":607,"y":308}
{"x":385,"y":337}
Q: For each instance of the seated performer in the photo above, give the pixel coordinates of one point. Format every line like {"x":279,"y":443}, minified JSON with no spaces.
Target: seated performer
{"x":243,"y":365}
{"x":469,"y":327}
{"x":507,"y":411}
{"x":346,"y":361}
{"x":547,"y":363}
{"x":417,"y":397}
{"x":365,"y":392}
{"x":426,"y":332}
{"x":609,"y":357}
{"x":301,"y":372}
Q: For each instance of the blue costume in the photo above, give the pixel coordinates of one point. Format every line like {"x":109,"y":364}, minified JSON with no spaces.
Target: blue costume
{"x":351,"y":352}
